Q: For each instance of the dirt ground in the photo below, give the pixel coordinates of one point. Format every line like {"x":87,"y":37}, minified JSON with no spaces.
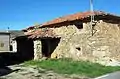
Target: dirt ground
{"x":11,"y":67}
{"x":21,"y":72}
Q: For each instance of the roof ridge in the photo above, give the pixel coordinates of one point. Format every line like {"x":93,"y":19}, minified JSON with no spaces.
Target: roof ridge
{"x":72,"y":17}
{"x":78,"y":15}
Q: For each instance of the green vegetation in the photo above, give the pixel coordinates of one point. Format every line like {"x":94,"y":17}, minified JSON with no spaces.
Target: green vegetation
{"x":68,"y":66}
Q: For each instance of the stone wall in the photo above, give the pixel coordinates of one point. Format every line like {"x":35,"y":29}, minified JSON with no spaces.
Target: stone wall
{"x":73,"y":42}
{"x":78,"y":44}
{"x":37,"y":49}
{"x":103,"y":46}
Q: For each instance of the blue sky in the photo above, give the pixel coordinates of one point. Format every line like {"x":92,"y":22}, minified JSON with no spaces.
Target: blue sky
{"x":19,"y":14}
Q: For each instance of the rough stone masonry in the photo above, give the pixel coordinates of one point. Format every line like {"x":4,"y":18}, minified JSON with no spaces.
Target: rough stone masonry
{"x":78,"y":43}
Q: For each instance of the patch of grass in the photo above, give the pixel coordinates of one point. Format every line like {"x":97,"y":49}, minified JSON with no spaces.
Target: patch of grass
{"x":68,"y":66}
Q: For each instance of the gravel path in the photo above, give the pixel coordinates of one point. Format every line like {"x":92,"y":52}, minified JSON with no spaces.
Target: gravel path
{"x":21,"y":72}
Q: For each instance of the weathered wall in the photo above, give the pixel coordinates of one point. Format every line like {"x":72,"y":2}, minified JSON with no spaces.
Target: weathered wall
{"x":4,"y":42}
{"x":71,"y":39}
{"x":37,"y":49}
{"x":79,"y":44}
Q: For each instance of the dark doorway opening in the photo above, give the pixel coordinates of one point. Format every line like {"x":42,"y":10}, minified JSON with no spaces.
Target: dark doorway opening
{"x":49,"y":45}
{"x":25,"y":48}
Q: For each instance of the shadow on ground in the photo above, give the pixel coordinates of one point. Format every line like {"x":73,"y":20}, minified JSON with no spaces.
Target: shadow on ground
{"x":6,"y":70}
{"x":7,"y":59}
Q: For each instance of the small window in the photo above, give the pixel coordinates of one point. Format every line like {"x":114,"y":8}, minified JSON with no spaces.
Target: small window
{"x":79,"y":25}
{"x":1,"y":44}
{"x":78,"y":48}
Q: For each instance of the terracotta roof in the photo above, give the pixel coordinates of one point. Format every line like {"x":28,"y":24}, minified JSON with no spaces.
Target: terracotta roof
{"x":80,"y":15}
{"x":72,"y":17}
{"x":32,"y":27}
{"x":40,"y":33}
{"x":49,"y":32}
{"x":77,"y":16}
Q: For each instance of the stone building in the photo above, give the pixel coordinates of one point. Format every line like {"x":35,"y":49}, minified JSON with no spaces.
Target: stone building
{"x":20,"y":44}
{"x":4,"y":41}
{"x":7,"y":40}
{"x":73,"y":36}
{"x":14,"y":44}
